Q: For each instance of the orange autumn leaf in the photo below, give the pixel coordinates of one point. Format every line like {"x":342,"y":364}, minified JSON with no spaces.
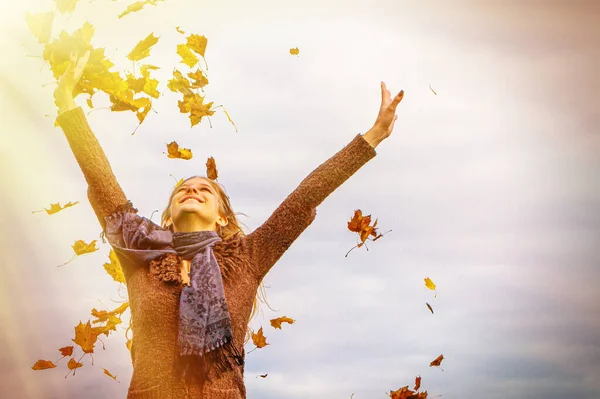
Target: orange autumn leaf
{"x":294,"y":51}
{"x":276,"y":323}
{"x":142,"y":49}
{"x":114,"y":267}
{"x":437,"y":361}
{"x":85,"y":337}
{"x":187,"y":57}
{"x":65,"y":6}
{"x":197,"y":43}
{"x":73,"y":364}
{"x":43,"y":365}
{"x":429,"y":284}
{"x":173,"y":151}
{"x":108,"y":373}
{"x":66,"y":351}
{"x":259,"y":339}
{"x":54,"y":208}
{"x":402,"y":393}
{"x":211,"y":169}
{"x":362,"y":225}
{"x":104,"y":315}
{"x":40,"y":25}
{"x":417,"y":383}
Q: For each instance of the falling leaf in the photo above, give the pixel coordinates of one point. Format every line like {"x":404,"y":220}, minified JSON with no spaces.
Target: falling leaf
{"x":85,"y":337}
{"x":429,"y":284}
{"x":80,"y":247}
{"x":137,"y":6}
{"x":229,"y":118}
{"x":276,"y":323}
{"x":142,"y":49}
{"x":437,"y":361}
{"x":108,"y":373}
{"x":294,"y":51}
{"x":193,"y":103}
{"x":263,"y":375}
{"x":432,"y":90}
{"x":114,"y":267}
{"x":197,"y":44}
{"x":66,"y":351}
{"x":259,"y":339}
{"x":104,"y":315}
{"x":54,"y":208}
{"x":73,"y":364}
{"x":89,"y":102}
{"x":362,"y":225}
{"x":406,"y":393}
{"x":40,"y":25}
{"x":199,"y":79}
{"x":211,"y":169}
{"x":175,"y":152}
{"x":65,"y":6}
{"x":179,"y":30}
{"x":43,"y":365}
{"x":128,"y":344}
{"x":179,"y":82}
{"x":187,"y":57}
{"x":417,"y":383}
{"x":429,"y":306}
{"x":178,"y":182}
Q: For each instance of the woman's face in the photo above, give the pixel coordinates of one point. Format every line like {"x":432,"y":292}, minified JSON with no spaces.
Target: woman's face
{"x":195,"y":204}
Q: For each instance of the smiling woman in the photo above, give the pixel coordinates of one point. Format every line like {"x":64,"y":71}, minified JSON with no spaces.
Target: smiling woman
{"x":189,"y":326}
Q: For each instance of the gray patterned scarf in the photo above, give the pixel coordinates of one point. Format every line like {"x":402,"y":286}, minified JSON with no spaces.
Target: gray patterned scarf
{"x":205,"y":334}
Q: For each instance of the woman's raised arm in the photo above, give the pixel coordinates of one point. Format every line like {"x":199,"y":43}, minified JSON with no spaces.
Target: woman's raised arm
{"x":269,"y":241}
{"x":104,"y":192}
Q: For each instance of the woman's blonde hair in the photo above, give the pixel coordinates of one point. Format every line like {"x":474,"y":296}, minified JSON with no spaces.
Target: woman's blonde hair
{"x":233,"y":226}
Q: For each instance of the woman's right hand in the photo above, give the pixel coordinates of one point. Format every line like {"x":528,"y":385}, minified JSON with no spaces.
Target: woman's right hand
{"x":63,"y":94}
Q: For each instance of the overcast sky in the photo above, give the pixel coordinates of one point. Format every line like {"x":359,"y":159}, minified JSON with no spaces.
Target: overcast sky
{"x":491,"y":189}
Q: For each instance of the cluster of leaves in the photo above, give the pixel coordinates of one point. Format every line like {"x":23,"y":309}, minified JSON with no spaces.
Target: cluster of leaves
{"x":362,"y":225}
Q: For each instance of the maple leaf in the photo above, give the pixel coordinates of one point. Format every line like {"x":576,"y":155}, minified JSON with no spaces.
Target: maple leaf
{"x":43,"y":365}
{"x":104,"y":315}
{"x":429,"y":307}
{"x":108,"y":373}
{"x":276,"y":323}
{"x":150,"y":84}
{"x":294,"y":51}
{"x":197,"y":44}
{"x":402,"y":393}
{"x":429,"y":284}
{"x":58,"y":52}
{"x":142,"y":49}
{"x":65,"y":6}
{"x":66,"y":351}
{"x":417,"y":383}
{"x":80,"y":247}
{"x":187,"y":57}
{"x":199,"y":79}
{"x":211,"y":169}
{"x":54,"y":208}
{"x":73,"y":364}
{"x":437,"y":361}
{"x":40,"y":25}
{"x":178,"y":83}
{"x":85,"y":337}
{"x":362,"y":225}
{"x":114,"y":267}
{"x":175,"y":152}
{"x":193,"y":103}
{"x":137,"y":6}
{"x":259,"y":339}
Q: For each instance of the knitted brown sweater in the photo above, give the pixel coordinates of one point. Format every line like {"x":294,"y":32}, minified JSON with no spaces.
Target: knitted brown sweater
{"x":154,"y":290}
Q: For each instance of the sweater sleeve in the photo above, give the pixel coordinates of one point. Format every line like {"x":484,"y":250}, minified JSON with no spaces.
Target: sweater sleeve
{"x":104,"y":192}
{"x":269,"y":241}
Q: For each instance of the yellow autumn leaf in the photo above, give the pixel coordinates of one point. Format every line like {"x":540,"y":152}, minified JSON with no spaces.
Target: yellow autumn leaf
{"x":259,"y":339}
{"x":429,"y":284}
{"x":200,"y":80}
{"x":187,"y":57}
{"x":178,"y":29}
{"x":80,"y":247}
{"x":85,"y":337}
{"x":108,"y":373}
{"x":193,"y":103}
{"x":54,"y":208}
{"x":276,"y":323}
{"x":65,"y":6}
{"x":179,"y":82}
{"x":294,"y":51}
{"x":173,"y":151}
{"x":105,"y":315}
{"x":197,"y":43}
{"x":40,"y":25}
{"x":137,"y":6}
{"x":142,"y":49}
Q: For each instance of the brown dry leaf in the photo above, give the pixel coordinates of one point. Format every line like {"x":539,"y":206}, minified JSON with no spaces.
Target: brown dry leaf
{"x":142,"y":49}
{"x":187,"y":57}
{"x":362,"y":225}
{"x":173,"y":151}
{"x":73,"y":364}
{"x":294,"y":51}
{"x":66,"y":351}
{"x":40,"y":25}
{"x":429,"y":307}
{"x":54,"y":208}
{"x":276,"y":323}
{"x":114,"y":267}
{"x":259,"y":339}
{"x":43,"y":365}
{"x":429,"y":284}
{"x":402,"y":393}
{"x":437,"y":361}
{"x":65,"y":6}
{"x":197,"y":43}
{"x":263,"y":375}
{"x":108,"y":373}
{"x":85,"y":337}
{"x":417,"y":383}
{"x":211,"y":169}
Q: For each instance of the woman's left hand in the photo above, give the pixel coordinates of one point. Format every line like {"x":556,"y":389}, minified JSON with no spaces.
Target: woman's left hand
{"x":387,"y":117}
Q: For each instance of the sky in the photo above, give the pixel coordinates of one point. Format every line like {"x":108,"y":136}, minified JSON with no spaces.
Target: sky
{"x":489,"y":186}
